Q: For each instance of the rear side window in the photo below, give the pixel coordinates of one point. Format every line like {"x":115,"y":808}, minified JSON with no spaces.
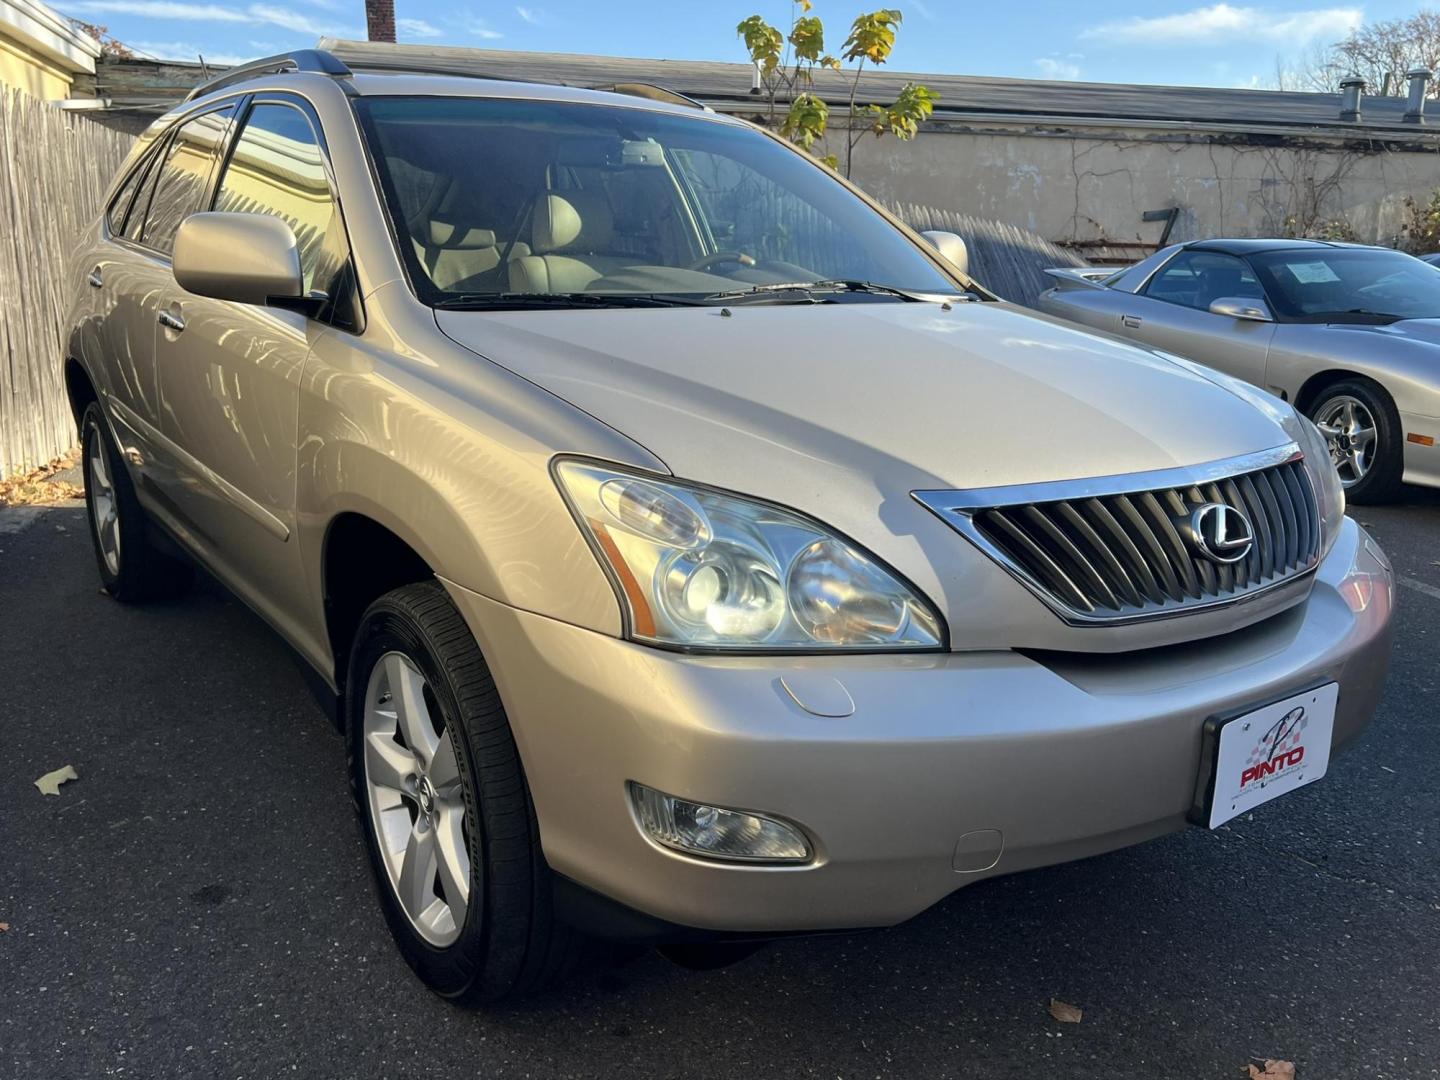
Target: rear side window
{"x":1196,"y":279}
{"x":120,"y":205}
{"x":277,"y":169}
{"x":184,"y":175}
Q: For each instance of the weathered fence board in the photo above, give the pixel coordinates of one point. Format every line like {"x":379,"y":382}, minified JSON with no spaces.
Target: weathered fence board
{"x":1004,"y":258}
{"x":54,"y":168}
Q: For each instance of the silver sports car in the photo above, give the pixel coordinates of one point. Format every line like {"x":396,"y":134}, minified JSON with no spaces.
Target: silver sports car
{"x":1349,"y":334}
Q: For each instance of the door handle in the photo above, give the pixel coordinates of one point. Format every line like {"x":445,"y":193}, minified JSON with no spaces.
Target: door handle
{"x":171,"y":321}
{"x":95,"y":278}
{"x":1130,"y":322}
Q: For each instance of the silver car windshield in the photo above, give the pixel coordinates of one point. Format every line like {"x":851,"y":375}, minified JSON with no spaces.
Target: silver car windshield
{"x":1349,"y":285}
{"x":494,"y":199}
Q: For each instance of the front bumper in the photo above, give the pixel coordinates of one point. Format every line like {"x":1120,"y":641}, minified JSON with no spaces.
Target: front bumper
{"x":1422,"y":461}
{"x":952,"y":767}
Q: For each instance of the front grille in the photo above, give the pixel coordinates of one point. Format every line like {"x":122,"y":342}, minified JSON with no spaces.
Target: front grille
{"x":1103,"y":551}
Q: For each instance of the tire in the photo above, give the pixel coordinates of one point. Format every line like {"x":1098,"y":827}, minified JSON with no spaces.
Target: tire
{"x":504,"y":943}
{"x":1371,"y":472}
{"x":132,"y":569}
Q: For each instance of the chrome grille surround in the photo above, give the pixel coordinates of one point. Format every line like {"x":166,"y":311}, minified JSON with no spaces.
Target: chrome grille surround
{"x":1112,"y":549}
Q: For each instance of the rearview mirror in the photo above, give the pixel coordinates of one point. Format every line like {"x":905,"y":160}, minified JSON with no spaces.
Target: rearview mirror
{"x":1242,"y":307}
{"x":951,"y":247}
{"x":247,"y":258}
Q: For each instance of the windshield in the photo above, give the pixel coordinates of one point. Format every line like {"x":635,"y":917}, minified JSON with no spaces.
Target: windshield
{"x":496,"y":198}
{"x":1349,"y":285}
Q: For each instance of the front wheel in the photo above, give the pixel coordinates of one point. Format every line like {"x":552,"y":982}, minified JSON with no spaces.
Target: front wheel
{"x":446,"y":813}
{"x":1362,"y":426}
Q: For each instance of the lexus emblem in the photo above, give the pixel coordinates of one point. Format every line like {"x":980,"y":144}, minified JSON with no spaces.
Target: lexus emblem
{"x":1221,"y":533}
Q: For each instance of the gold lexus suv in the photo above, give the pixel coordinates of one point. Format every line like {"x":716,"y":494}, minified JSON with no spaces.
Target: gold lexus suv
{"x":689,"y":552}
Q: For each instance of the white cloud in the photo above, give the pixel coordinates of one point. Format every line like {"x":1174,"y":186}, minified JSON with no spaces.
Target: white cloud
{"x":1225,"y":24}
{"x":187,"y":51}
{"x":161,"y":9}
{"x":183,"y":11}
{"x":417,"y":28}
{"x":1051,"y":68}
{"x":533,"y":16}
{"x":481,"y":29}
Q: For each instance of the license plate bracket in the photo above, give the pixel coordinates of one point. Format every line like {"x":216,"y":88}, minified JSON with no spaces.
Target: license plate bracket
{"x":1254,"y":755}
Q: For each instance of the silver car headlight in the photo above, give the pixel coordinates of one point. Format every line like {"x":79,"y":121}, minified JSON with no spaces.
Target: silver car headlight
{"x":704,"y":569}
{"x":1323,"y":477}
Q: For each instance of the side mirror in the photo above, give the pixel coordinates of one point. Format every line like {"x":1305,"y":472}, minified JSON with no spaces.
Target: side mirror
{"x":247,"y":258}
{"x":1242,"y":307}
{"x":951,"y":247}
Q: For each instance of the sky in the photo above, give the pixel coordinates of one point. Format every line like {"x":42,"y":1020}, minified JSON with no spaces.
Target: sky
{"x":1194,"y":43}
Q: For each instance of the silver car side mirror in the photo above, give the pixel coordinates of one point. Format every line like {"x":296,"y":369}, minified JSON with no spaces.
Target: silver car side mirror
{"x":951,"y":247}
{"x":247,"y":258}
{"x":1242,"y":307}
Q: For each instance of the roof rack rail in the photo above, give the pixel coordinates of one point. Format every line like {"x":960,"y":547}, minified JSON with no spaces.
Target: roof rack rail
{"x":316,"y":60}
{"x":654,"y":92}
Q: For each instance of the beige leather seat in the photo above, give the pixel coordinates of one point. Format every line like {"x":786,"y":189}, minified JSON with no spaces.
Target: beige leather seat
{"x":568,"y":233}
{"x":454,"y":253}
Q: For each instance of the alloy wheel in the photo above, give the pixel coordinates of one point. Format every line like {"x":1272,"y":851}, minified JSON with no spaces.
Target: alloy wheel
{"x":416,"y":799}
{"x":1349,"y":428}
{"x":104,"y":510}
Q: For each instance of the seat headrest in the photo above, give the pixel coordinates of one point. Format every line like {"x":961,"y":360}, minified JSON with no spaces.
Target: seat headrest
{"x":451,"y":236}
{"x":574,"y":221}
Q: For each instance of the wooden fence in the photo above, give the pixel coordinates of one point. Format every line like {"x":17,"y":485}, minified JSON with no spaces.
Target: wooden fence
{"x":54,"y":169}
{"x":1004,"y":258}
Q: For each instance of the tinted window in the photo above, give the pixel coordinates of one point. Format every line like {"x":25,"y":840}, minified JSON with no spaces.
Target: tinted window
{"x":1198,"y":278}
{"x":277,"y":168}
{"x":1350,"y":284}
{"x":183,"y":177}
{"x":494,"y":195}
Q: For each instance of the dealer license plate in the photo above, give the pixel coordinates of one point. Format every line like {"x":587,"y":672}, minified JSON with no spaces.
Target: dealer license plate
{"x":1264,"y":753}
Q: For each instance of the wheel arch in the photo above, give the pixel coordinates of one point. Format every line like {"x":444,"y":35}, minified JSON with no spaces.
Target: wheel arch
{"x":361,"y":559}
{"x":1311,"y":389}
{"x":79,"y":388}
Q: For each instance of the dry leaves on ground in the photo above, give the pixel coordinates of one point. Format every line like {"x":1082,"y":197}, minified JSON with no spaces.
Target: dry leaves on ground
{"x":1065,"y":1013}
{"x":4,"y":926}
{"x":49,"y":784}
{"x":36,"y":486}
{"x":1274,"y":1070}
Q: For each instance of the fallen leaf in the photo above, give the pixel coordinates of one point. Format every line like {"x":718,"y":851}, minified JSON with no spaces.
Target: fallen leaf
{"x":1274,"y":1070}
{"x":4,"y":926}
{"x":49,"y":784}
{"x":1066,"y":1014}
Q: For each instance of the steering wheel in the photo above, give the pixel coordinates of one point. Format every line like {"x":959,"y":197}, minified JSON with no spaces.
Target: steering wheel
{"x":718,"y":257}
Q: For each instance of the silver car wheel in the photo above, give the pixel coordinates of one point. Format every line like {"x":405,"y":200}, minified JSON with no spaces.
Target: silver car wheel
{"x":104,"y":511}
{"x":416,"y":801}
{"x":1349,"y":428}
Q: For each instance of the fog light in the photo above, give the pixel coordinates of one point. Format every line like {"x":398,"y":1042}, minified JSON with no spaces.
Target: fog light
{"x":715,"y":832}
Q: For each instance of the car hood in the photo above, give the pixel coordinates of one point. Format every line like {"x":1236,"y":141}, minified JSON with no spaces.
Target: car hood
{"x":910,"y":393}
{"x":1426,"y":331}
{"x":842,"y":410}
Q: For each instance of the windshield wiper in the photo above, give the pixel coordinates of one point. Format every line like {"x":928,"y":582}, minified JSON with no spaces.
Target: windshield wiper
{"x":512,"y":301}
{"x":1374,"y":314}
{"x":811,"y":288}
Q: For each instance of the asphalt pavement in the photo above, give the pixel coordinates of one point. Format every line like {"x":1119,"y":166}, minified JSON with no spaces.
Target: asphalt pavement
{"x":196,"y":904}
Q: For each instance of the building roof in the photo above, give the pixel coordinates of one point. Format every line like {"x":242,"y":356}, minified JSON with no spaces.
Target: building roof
{"x":728,"y":85}
{"x":49,"y":33}
{"x":156,"y":85}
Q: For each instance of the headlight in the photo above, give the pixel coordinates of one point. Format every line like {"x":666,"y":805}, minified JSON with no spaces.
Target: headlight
{"x":1323,"y":476}
{"x":703,"y":569}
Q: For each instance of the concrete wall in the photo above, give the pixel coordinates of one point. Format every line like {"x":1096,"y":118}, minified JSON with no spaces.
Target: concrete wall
{"x":1093,"y":184}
